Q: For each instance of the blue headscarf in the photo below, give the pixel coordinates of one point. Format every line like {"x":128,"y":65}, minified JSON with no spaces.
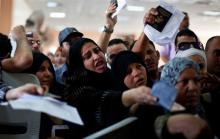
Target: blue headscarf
{"x":172,"y":70}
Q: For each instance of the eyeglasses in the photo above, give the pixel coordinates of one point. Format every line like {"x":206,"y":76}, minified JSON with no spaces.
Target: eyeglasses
{"x":32,"y":42}
{"x":187,"y":45}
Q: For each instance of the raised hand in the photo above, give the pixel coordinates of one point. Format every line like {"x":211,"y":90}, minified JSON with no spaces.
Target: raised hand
{"x":110,"y":22}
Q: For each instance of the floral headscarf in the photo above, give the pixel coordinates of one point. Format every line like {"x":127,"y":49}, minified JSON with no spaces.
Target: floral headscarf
{"x":175,"y":67}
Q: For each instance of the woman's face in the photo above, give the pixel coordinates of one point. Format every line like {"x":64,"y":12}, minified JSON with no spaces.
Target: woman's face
{"x":136,"y":75}
{"x":188,"y":88}
{"x":45,"y":76}
{"x":93,"y":58}
{"x":59,"y":58}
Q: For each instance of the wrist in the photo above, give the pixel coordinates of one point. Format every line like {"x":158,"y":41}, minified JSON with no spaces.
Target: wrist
{"x":108,"y":29}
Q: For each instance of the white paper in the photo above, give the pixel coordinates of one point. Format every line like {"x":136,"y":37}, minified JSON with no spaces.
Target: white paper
{"x":177,"y":107}
{"x":170,"y":30}
{"x":49,"y":106}
{"x":13,"y":44}
{"x":121,"y":5}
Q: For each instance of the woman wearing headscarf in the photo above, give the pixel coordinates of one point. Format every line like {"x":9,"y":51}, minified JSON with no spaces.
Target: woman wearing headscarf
{"x":207,"y":81}
{"x":43,"y":69}
{"x":195,"y":52}
{"x":129,"y":70}
{"x":184,"y":74}
{"x":89,"y":88}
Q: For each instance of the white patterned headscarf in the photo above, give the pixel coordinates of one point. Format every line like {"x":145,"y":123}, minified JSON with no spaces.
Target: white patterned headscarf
{"x":192,"y":52}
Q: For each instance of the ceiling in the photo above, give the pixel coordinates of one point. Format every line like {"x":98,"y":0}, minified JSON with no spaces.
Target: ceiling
{"x":88,"y":15}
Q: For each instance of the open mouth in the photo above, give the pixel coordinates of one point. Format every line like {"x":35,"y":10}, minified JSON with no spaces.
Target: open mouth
{"x":140,"y":81}
{"x":45,"y":82}
{"x":100,"y":65}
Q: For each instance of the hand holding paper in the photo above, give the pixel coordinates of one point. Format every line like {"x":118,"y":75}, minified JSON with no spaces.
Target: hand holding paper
{"x":164,"y":32}
{"x":161,"y":19}
{"x":121,"y":4}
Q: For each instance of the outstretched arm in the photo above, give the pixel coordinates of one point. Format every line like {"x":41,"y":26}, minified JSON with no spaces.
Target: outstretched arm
{"x":19,"y":91}
{"x":139,"y":95}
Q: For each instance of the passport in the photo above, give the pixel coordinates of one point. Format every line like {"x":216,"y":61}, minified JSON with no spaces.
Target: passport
{"x":161,"y":19}
{"x":165,"y":93}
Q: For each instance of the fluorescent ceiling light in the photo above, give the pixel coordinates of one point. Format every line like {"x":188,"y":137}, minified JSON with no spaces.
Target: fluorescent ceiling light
{"x":52,"y":4}
{"x":135,"y":8}
{"x":57,"y":15}
{"x":211,"y":13}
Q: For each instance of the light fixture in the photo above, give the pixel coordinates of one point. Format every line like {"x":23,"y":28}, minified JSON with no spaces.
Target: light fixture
{"x":52,"y":4}
{"x":57,"y":15}
{"x":135,"y":8}
{"x":211,"y":13}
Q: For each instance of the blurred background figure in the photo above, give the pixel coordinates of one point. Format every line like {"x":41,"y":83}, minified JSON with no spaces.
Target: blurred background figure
{"x":50,"y":55}
{"x":34,"y":41}
{"x":128,"y":39}
{"x":59,"y":58}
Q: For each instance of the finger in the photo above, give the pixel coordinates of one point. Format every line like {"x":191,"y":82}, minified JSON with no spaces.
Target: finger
{"x":149,"y":19}
{"x":153,"y":11}
{"x":150,"y":99}
{"x":40,"y":90}
{"x":33,"y":89}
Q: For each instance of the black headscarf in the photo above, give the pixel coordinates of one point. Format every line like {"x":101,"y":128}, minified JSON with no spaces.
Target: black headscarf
{"x":78,"y":75}
{"x":120,"y":66}
{"x":38,"y":59}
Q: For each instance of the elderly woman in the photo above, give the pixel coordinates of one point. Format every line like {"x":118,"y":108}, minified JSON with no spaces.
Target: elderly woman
{"x":184,"y":74}
{"x":197,"y":54}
